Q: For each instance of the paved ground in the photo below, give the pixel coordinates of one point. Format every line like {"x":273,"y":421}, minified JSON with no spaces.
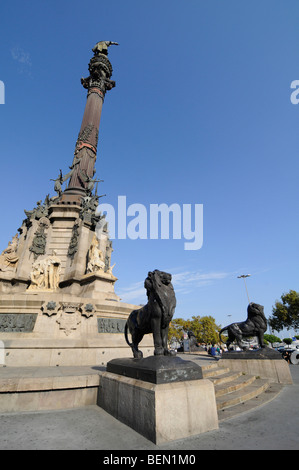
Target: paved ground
{"x":273,"y":426}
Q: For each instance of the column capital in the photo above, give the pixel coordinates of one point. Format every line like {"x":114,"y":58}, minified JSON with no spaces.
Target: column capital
{"x":100,"y":70}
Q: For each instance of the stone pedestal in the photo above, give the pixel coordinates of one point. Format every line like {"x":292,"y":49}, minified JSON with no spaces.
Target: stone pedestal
{"x":170,"y":402}
{"x":265,"y":363}
{"x":156,"y":369}
{"x":55,"y":329}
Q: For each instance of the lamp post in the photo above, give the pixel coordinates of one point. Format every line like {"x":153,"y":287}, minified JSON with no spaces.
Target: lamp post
{"x":243,"y":276}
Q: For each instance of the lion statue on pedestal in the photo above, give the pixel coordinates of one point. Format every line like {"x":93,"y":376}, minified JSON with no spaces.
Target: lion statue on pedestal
{"x":155,"y":316}
{"x":255,"y":325}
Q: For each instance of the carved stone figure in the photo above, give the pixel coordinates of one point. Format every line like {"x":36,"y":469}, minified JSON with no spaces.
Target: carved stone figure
{"x":58,"y":183}
{"x":45,"y":273}
{"x":102,"y":47}
{"x":155,"y":316}
{"x":109,"y":270}
{"x":9,"y":257}
{"x":61,"y":179}
{"x":73,"y":246}
{"x":41,"y":210}
{"x":89,"y":209}
{"x":106,"y":244}
{"x":88,"y":182}
{"x":39,"y":241}
{"x":31,"y":214}
{"x":95,"y":259}
{"x":53,"y":271}
{"x":255,"y":325}
{"x":37,"y":276}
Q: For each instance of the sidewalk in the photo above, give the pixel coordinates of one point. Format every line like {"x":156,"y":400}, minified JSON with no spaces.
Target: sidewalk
{"x":273,"y":426}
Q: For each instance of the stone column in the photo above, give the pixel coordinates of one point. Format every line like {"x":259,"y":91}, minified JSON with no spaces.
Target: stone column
{"x":83,"y":166}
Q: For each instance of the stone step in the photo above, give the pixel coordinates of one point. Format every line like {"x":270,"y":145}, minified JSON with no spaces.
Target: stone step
{"x":252,"y":390}
{"x":207,"y":367}
{"x":215,"y":371}
{"x":227,"y":377}
{"x":237,"y":383}
{"x":268,"y":395}
{"x":237,"y":392}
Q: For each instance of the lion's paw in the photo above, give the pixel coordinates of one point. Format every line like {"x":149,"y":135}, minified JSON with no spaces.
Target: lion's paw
{"x":169,"y":352}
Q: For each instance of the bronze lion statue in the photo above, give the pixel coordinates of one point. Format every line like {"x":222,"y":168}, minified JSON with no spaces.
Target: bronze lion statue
{"x":255,"y":325}
{"x":155,"y":316}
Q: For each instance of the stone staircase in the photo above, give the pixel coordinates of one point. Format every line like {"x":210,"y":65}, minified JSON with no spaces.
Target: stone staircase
{"x":237,"y":392}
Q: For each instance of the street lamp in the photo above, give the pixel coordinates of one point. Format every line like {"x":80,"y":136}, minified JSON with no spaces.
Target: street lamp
{"x":243,"y":276}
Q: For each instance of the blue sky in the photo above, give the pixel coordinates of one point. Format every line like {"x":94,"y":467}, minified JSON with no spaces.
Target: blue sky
{"x":201,"y":114}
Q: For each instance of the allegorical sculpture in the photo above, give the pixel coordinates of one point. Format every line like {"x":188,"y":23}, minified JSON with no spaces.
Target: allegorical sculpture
{"x":62,"y":179}
{"x":45,"y":273}
{"x":155,"y":316}
{"x":41,"y":210}
{"x":9,"y":257}
{"x":95,"y":258}
{"x":255,"y":325}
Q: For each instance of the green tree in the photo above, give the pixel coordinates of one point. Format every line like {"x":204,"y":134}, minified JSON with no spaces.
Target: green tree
{"x":272,"y":339}
{"x":205,"y":329}
{"x":176,"y":328}
{"x":285,"y":313}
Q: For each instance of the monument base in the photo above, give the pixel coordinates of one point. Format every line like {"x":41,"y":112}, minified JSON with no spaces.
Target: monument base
{"x":161,"y":412}
{"x":265,"y":363}
{"x":156,"y":369}
{"x":53,"y":329}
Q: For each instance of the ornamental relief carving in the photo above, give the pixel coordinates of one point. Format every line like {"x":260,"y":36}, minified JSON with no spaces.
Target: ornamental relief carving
{"x":70,"y":317}
{"x":69,"y":314}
